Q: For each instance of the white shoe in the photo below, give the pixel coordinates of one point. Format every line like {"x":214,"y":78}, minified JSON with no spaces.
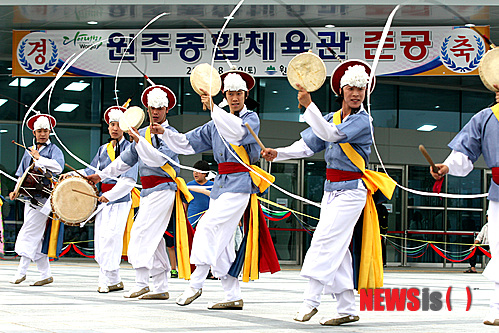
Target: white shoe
{"x":305,"y":313}
{"x":136,"y":292}
{"x":188,"y":296}
{"x":341,"y":318}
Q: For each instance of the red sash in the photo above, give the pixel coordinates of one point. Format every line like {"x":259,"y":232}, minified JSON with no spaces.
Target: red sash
{"x":495,"y":175}
{"x":106,"y":187}
{"x":231,"y":167}
{"x":152,"y":181}
{"x":335,"y":175}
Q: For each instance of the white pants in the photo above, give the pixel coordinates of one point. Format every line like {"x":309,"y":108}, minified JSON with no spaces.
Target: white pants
{"x":29,"y":242}
{"x":492,"y":270}
{"x":328,"y":263}
{"x":213,"y":243}
{"x":345,"y":300}
{"x":229,"y":283}
{"x":110,"y":224}
{"x":147,"y":248}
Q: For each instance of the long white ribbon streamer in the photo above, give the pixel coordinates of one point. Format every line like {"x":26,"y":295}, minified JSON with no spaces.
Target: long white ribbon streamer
{"x":8,"y":176}
{"x":126,"y":50}
{"x":377,"y":56}
{"x":294,"y":196}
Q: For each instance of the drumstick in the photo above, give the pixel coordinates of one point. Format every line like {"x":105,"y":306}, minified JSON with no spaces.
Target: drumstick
{"x":423,"y":151}
{"x":150,"y":115}
{"x":79,"y":174}
{"x":255,"y":136}
{"x":20,"y":145}
{"x":81,"y":192}
{"x":487,"y":40}
{"x":141,"y":72}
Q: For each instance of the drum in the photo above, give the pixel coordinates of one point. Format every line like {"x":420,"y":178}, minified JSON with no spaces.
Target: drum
{"x":489,"y":69}
{"x":205,"y":77}
{"x":33,"y":183}
{"x":308,"y":70}
{"x":134,"y":116}
{"x":72,"y":207}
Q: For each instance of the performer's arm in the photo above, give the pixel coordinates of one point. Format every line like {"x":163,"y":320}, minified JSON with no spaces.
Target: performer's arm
{"x":231,"y":127}
{"x":54,"y":164}
{"x":116,"y":168}
{"x":456,"y":164}
{"x":177,"y":142}
{"x":323,"y":129}
{"x":150,"y":155}
{"x":459,"y":164}
{"x":298,"y":149}
{"x":123,"y":186}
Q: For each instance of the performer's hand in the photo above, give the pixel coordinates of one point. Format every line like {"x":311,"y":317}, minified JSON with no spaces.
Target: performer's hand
{"x":497,"y":92}
{"x":12,"y":196}
{"x":206,"y":99}
{"x":269,"y":154}
{"x":64,"y":176}
{"x":34,"y":153}
{"x":95,"y":178}
{"x":157,"y":129}
{"x":442,"y":171}
{"x":132,"y":132}
{"x":103,"y":199}
{"x":304,"y":97}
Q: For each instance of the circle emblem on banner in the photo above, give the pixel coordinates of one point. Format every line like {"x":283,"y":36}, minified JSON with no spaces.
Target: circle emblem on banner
{"x":37,"y":54}
{"x":462,"y":50}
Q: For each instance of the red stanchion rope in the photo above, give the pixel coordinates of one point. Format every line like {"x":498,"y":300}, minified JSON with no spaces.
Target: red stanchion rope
{"x":440,"y":253}
{"x":485,"y":252}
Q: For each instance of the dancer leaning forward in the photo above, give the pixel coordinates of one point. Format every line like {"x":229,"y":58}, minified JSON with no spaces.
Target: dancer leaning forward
{"x":346,"y":137}
{"x":147,"y":248}
{"x":233,"y":188}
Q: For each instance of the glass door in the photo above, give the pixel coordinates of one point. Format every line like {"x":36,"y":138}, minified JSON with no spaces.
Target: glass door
{"x":286,"y":233}
{"x":396,"y":214}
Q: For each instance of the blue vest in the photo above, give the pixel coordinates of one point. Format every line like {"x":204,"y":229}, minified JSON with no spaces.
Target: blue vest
{"x":206,"y":138}
{"x":357,"y":129}
{"x":50,"y":151}
{"x":480,"y":136}
{"x":131,"y":157}
{"x":102,"y":160}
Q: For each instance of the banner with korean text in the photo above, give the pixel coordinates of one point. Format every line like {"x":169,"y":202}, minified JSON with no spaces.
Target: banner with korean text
{"x":262,"y":52}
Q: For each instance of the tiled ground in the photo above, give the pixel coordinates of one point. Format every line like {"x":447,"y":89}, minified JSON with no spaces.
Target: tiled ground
{"x":71,"y":304}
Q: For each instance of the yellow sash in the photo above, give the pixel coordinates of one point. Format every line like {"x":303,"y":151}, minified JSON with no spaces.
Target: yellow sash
{"x":251,"y":257}
{"x":371,"y":263}
{"x":54,"y":236}
{"x":495,"y":109}
{"x":181,"y":237}
{"x":135,"y":203}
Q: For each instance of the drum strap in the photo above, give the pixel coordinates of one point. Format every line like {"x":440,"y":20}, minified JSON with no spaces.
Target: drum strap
{"x":371,"y":263}
{"x":181,"y":235}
